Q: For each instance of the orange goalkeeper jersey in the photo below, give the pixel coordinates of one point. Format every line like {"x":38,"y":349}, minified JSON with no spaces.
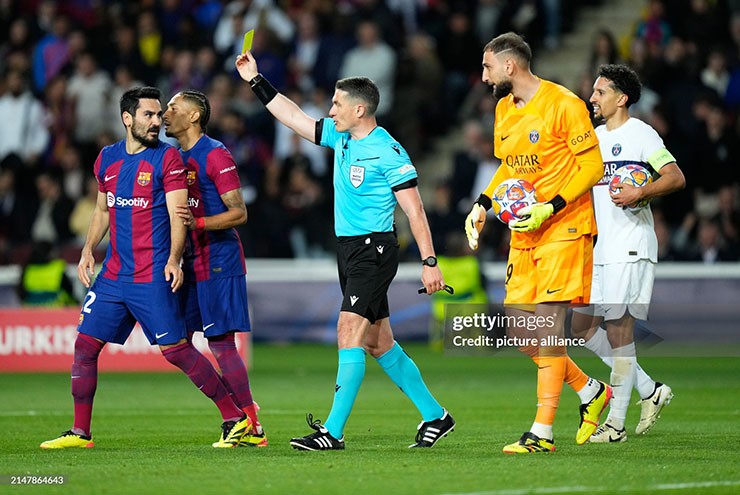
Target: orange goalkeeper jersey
{"x":538,"y":142}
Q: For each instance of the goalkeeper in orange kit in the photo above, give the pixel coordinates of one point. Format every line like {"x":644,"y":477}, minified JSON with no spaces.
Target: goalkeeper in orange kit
{"x":543,"y":134}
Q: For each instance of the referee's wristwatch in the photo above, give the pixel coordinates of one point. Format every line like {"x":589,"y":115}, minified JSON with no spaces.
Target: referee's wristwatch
{"x":429,"y":261}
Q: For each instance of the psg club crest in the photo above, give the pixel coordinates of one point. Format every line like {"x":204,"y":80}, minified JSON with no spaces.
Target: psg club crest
{"x":144,"y":178}
{"x":616,"y":149}
{"x":190,"y":177}
{"x":356,"y":175}
{"x":534,"y":136}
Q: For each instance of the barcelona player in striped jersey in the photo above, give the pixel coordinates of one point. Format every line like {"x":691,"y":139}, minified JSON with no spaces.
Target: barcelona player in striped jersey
{"x":140,"y":182}
{"x":215,"y":292}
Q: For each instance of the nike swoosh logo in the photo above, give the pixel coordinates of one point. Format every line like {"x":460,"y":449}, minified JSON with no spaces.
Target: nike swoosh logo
{"x":208,"y":326}
{"x":504,"y":138}
{"x":107,"y":178}
{"x":656,"y":401}
{"x":612,"y":439}
{"x":553,"y":291}
{"x":159,"y":336}
{"x":543,"y":367}
{"x":366,"y":159}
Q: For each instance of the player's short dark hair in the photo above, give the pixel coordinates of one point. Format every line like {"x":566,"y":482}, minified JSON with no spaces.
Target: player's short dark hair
{"x":363,"y":89}
{"x":510,"y":41}
{"x":200,"y":100}
{"x":623,"y":79}
{"x":130,"y":99}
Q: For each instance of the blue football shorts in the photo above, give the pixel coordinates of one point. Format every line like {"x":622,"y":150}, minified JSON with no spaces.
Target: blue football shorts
{"x":111,"y":309}
{"x":216,"y":306}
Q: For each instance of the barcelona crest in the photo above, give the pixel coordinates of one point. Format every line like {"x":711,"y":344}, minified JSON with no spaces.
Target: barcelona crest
{"x":190,"y":177}
{"x":144,"y":178}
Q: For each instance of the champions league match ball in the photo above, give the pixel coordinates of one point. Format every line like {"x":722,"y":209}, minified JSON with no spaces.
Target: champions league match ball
{"x":634,"y":175}
{"x":511,"y":196}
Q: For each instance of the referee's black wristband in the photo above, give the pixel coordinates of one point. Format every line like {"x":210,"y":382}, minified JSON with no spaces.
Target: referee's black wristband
{"x":263,"y":89}
{"x":484,"y":201}
{"x":558,"y":203}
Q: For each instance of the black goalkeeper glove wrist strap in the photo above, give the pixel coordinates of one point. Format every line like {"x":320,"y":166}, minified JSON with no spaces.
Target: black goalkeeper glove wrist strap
{"x":484,"y":201}
{"x":558,"y":203}
{"x":263,"y":89}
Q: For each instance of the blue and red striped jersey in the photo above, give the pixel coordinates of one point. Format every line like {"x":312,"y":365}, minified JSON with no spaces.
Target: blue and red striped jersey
{"x":211,"y":172}
{"x":135,"y":187}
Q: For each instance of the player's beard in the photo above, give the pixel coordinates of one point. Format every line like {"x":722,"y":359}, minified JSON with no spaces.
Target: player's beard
{"x":502,"y":89}
{"x":139,"y":133}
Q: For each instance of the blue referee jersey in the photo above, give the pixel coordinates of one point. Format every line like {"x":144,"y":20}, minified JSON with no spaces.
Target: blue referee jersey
{"x":365,"y":173}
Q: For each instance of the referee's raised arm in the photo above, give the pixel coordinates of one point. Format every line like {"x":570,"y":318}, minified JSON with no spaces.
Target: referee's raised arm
{"x":279,"y":105}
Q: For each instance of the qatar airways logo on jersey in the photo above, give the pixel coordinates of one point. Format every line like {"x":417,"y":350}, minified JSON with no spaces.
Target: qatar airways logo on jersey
{"x":523,"y":164}
{"x":116,"y":201}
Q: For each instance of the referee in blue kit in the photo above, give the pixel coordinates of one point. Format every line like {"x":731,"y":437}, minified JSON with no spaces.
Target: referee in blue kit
{"x":372,"y":172}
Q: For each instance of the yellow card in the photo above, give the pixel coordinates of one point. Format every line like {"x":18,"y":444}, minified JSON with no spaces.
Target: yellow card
{"x":248,"y":36}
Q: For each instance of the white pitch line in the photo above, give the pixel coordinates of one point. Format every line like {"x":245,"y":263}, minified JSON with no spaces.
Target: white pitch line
{"x":583,"y":489}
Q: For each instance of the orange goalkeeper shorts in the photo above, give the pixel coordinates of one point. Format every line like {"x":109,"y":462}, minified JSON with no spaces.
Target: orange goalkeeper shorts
{"x":553,"y":272}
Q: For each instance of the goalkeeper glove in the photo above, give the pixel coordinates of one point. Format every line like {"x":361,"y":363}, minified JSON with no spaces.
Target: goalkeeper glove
{"x":474,"y":224}
{"x":532,"y":217}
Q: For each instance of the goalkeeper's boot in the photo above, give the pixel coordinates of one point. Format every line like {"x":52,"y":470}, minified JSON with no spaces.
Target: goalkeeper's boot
{"x":321,"y":439}
{"x":69,"y":439}
{"x":606,"y":433}
{"x":255,"y":437}
{"x":232,"y":432}
{"x":591,"y":412}
{"x":429,"y":432}
{"x":652,"y":406}
{"x":530,"y":443}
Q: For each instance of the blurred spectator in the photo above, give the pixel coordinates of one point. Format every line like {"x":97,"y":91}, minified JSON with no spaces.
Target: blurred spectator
{"x":372,"y":58}
{"x":604,"y":50}
{"x":711,"y":246}
{"x":88,"y":89}
{"x":444,"y":219}
{"x":23,"y":129}
{"x":460,"y":54}
{"x":79,"y":219}
{"x":51,"y":223}
{"x":60,"y":117}
{"x":418,"y":115}
{"x":43,"y":280}
{"x":304,"y":51}
{"x":126,"y":53}
{"x":16,"y":212}
{"x":666,"y":251}
{"x":654,"y":29}
{"x":303,"y":202}
{"x":149,"y":38}
{"x":715,"y":75}
{"x":285,"y":143}
{"x":51,"y":53}
{"x":74,"y":172}
{"x":19,"y":43}
{"x":123,"y":80}
{"x":332,"y":51}
{"x":728,"y":217}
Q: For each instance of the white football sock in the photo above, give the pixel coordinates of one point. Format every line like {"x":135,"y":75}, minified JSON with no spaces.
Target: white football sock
{"x":622,"y":381}
{"x":589,"y":391}
{"x":542,"y":431}
{"x":599,"y":345}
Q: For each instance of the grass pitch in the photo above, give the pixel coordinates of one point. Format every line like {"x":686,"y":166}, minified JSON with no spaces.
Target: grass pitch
{"x":153,"y":432}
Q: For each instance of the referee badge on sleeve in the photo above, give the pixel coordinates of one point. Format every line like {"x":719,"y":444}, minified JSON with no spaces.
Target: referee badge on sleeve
{"x":356,"y":175}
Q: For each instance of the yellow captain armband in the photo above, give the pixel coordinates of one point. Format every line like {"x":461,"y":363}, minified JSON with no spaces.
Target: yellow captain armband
{"x":660,"y":158}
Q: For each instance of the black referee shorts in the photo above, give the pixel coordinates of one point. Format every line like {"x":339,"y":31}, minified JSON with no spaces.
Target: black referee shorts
{"x":367,"y":265}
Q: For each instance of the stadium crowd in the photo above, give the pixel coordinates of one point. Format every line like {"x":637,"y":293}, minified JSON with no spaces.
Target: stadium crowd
{"x":65,"y":64}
